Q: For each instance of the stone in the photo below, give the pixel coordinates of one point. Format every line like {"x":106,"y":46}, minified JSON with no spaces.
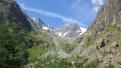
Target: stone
{"x":100,"y":27}
{"x":103,"y":42}
{"x":115,"y":45}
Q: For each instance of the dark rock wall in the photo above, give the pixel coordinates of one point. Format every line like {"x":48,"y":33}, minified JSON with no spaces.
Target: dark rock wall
{"x":11,"y":13}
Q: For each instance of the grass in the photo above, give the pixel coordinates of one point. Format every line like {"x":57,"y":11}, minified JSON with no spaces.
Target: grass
{"x":45,"y":43}
{"x":92,"y":64}
{"x":36,"y":52}
{"x":111,"y":66}
{"x":104,"y":52}
{"x":90,"y":40}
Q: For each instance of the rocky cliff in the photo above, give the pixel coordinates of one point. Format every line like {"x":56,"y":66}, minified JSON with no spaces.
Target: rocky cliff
{"x":103,"y":39}
{"x":11,"y":13}
{"x":110,"y":13}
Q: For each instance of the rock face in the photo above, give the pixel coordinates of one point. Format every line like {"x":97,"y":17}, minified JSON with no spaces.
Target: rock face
{"x":110,"y":12}
{"x":11,"y":13}
{"x":103,"y":39}
{"x":38,"y":24}
{"x":70,"y":30}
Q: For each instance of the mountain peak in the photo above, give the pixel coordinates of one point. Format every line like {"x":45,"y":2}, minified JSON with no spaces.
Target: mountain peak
{"x":70,"y":30}
{"x":39,"y":24}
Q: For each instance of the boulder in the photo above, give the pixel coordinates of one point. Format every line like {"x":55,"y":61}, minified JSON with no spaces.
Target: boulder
{"x":103,"y":42}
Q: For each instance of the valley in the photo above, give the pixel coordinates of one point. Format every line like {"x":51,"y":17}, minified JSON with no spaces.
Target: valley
{"x":27,"y":42}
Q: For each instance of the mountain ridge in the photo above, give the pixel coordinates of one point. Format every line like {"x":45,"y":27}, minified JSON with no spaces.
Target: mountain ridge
{"x":70,"y":30}
{"x":102,"y":39}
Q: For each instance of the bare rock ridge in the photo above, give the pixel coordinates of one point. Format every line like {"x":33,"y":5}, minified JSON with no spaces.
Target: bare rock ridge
{"x":110,"y":12}
{"x":11,"y":13}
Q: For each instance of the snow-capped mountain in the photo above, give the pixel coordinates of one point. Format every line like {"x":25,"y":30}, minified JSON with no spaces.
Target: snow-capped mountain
{"x":70,"y":30}
{"x":38,"y":24}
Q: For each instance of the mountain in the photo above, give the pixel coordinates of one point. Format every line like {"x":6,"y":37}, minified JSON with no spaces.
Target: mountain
{"x":102,"y":40}
{"x":38,"y":24}
{"x":72,"y":30}
{"x":12,"y":14}
{"x":99,"y":46}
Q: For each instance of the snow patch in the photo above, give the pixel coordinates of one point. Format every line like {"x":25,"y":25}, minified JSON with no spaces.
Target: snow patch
{"x":45,"y":27}
{"x":64,"y":34}
{"x":83,"y":30}
{"x":59,"y":33}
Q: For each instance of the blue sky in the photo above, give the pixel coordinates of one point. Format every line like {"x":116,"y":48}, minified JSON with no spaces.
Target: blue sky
{"x":57,"y":12}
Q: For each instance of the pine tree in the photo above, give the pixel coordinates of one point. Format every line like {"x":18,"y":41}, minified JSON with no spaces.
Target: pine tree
{"x":13,"y":51}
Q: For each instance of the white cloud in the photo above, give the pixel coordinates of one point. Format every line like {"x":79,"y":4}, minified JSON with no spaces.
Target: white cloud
{"x":96,"y":8}
{"x":51,"y":14}
{"x":97,"y":4}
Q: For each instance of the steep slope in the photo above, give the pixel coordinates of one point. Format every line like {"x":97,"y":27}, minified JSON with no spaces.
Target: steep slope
{"x":103,"y":39}
{"x":110,"y":13}
{"x":11,"y":14}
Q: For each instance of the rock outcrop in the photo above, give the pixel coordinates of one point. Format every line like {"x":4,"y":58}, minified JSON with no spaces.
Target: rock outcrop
{"x":110,"y":12}
{"x":103,"y":38}
{"x":39,"y":24}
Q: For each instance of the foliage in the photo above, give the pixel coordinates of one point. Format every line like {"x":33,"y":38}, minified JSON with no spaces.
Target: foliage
{"x":50,"y":62}
{"x":111,"y":66}
{"x":80,"y":61}
{"x":67,"y":47}
{"x":104,"y":52}
{"x":92,"y":64}
{"x":42,"y":36}
{"x":42,"y":43}
{"x":36,"y":52}
{"x":90,"y":40}
{"x":13,"y":52}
